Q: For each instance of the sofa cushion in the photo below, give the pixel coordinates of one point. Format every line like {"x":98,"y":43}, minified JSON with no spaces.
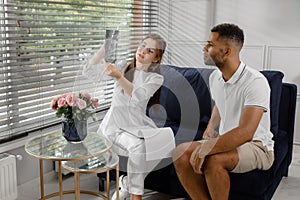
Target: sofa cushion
{"x":250,"y":183}
{"x":275,"y":81}
{"x":162,"y":182}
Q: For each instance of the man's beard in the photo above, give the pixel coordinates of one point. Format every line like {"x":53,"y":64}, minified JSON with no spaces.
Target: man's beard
{"x":211,"y":62}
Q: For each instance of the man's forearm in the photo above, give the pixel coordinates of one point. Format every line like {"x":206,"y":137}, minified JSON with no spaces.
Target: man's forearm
{"x":215,"y":119}
{"x":230,"y":141}
{"x":243,"y":133}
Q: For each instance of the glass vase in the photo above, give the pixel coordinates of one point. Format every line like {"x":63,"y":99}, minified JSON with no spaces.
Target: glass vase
{"x":74,"y":130}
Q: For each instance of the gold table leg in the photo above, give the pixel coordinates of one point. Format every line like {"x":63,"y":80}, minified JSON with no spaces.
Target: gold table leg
{"x":117,"y":181}
{"x":60,"y":180}
{"x":42,"y":180}
{"x":107,"y":184}
{"x":77,"y":186}
{"x":77,"y":189}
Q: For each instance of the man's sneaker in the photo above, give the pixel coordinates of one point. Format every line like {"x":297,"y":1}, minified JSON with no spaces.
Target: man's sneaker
{"x":123,"y":190}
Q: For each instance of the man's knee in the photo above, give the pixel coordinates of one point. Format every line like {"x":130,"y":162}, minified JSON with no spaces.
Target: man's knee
{"x":182,"y":153}
{"x":214,"y":160}
{"x":179,"y":153}
{"x":221,"y":161}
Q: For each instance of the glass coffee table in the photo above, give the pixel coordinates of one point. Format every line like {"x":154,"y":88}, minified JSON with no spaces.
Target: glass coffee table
{"x":93,"y":155}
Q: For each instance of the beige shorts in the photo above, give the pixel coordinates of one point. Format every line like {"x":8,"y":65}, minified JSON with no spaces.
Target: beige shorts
{"x":253,"y":155}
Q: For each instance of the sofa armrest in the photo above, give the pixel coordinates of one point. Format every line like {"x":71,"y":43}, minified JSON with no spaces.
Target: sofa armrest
{"x":287,"y":111}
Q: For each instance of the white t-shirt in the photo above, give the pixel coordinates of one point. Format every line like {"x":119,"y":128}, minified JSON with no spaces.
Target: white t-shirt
{"x":130,"y":111}
{"x":247,"y":87}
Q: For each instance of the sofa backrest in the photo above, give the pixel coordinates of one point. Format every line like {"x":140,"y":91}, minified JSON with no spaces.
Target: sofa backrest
{"x":185,"y":96}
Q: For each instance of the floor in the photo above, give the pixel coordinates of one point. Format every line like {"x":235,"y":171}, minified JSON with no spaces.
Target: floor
{"x":289,"y":188}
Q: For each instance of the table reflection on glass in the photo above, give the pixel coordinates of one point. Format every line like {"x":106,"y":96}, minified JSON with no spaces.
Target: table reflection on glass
{"x":93,"y":155}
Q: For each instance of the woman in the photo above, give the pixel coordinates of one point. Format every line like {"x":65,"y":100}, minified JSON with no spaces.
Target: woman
{"x":131,"y":95}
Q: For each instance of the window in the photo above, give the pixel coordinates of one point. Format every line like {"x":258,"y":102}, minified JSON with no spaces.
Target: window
{"x":186,"y":24}
{"x":44,"y":45}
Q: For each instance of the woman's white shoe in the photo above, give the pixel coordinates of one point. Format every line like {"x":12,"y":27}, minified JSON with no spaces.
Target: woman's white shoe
{"x":123,"y":190}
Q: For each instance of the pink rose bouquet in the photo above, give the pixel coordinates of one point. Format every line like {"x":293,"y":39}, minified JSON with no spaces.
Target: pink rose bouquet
{"x":72,"y":106}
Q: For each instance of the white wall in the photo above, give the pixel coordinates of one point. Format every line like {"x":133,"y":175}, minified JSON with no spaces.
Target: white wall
{"x":28,"y":166}
{"x":266,"y":22}
{"x":271,"y":27}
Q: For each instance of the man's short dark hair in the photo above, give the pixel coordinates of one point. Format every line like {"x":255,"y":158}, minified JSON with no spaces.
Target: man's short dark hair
{"x":229,"y":31}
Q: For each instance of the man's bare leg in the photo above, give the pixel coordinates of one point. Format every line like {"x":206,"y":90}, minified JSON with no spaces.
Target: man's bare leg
{"x":193,"y":183}
{"x":216,"y":173}
{"x":135,"y":197}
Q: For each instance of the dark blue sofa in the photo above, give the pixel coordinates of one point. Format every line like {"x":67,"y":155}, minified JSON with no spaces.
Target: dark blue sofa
{"x":186,"y":108}
{"x":186,"y":100}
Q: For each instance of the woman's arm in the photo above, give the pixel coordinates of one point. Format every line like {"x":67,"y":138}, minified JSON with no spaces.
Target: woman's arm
{"x":126,"y":85}
{"x":137,"y":93}
{"x":97,"y":57}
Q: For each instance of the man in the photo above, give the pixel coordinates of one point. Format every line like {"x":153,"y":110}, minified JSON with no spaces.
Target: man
{"x":237,"y":138}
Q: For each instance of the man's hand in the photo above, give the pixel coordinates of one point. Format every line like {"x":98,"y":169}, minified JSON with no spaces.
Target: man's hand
{"x":201,"y":151}
{"x":197,"y":159}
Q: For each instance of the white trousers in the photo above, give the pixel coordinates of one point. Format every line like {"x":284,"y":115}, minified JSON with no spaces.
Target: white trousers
{"x":137,"y":166}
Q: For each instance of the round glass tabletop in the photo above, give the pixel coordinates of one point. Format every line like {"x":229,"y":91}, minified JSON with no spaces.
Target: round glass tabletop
{"x":55,"y":147}
{"x":107,"y":160}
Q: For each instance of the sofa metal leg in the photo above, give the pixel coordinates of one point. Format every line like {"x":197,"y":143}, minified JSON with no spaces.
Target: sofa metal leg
{"x":101,"y":184}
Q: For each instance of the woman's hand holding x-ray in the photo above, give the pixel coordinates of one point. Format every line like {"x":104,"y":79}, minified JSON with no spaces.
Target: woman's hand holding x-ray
{"x":112,"y":71}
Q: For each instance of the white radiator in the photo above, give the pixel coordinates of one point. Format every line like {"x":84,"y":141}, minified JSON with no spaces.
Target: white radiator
{"x":8,"y":177}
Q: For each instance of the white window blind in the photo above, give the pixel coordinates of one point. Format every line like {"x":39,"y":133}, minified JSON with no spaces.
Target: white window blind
{"x":186,"y":24}
{"x":44,"y":45}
